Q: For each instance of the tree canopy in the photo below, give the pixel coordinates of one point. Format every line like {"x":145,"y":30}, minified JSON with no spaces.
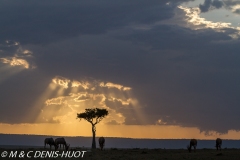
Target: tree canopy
{"x":93,"y":116}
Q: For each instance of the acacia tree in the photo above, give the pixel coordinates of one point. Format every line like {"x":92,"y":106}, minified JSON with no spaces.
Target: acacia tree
{"x":93,"y":116}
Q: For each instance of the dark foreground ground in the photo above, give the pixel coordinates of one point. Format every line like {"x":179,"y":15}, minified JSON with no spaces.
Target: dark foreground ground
{"x":124,"y":154}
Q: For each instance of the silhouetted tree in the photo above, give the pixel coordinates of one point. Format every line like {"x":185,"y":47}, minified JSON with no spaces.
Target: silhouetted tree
{"x":93,"y":116}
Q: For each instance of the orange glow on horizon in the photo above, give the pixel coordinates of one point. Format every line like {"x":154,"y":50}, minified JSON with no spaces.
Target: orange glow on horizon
{"x":83,"y":128}
{"x":58,"y":117}
{"x":58,"y":105}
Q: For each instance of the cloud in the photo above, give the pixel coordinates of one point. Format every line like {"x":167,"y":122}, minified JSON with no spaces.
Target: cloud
{"x":81,"y":97}
{"x":186,"y":72}
{"x":32,"y":24}
{"x":193,"y":17}
{"x":83,"y":84}
{"x":231,"y":5}
{"x":76,"y":100}
{"x":64,"y":82}
{"x":160,"y":122}
{"x":166,"y":79}
{"x":235,"y":8}
{"x":112,"y":85}
{"x":27,"y":52}
{"x":126,"y":102}
{"x":217,"y":3}
{"x":19,"y":56}
{"x":205,"y":7}
{"x":13,"y":61}
{"x":55,"y":101}
{"x":210,"y":4}
{"x":145,"y":70}
{"x":113,"y":122}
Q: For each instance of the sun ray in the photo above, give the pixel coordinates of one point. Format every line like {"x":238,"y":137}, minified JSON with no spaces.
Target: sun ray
{"x":7,"y":71}
{"x":55,"y":107}
{"x":60,"y":91}
{"x":138,"y":111}
{"x":37,"y":107}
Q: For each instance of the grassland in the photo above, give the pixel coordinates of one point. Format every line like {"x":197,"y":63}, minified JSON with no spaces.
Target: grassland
{"x":139,"y":154}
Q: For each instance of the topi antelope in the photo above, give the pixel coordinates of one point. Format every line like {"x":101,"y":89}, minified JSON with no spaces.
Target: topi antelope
{"x":50,"y":142}
{"x":101,"y":141}
{"x":218,"y":143}
{"x":61,"y":141}
{"x":193,"y":142}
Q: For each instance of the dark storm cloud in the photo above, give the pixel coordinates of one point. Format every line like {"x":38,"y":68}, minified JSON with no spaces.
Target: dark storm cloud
{"x":237,"y":11}
{"x":205,"y":6}
{"x":19,"y":94}
{"x":183,"y":83}
{"x":216,"y":4}
{"x":231,"y":2}
{"x":208,"y":4}
{"x":160,"y":36}
{"x":35,"y":22}
{"x":179,"y":76}
{"x":195,"y":79}
{"x":44,"y":22}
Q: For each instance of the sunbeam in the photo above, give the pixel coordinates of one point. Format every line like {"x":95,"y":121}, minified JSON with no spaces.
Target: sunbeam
{"x":59,"y":105}
{"x":39,"y":104}
{"x":8,"y":71}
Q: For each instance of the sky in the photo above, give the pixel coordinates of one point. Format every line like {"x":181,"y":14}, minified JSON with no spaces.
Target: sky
{"x":162,"y":68}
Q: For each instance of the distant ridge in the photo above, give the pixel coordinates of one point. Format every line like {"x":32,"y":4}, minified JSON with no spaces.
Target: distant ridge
{"x":112,"y":142}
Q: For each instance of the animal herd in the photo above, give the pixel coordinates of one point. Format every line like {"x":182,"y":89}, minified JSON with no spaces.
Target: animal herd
{"x":58,"y":142}
{"x":193,"y":143}
{"x":61,"y":142}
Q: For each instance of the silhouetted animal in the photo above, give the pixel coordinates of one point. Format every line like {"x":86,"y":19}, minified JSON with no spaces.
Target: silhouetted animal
{"x":218,"y":143}
{"x":50,"y":142}
{"x":101,"y":141}
{"x":62,"y":141}
{"x":193,"y":142}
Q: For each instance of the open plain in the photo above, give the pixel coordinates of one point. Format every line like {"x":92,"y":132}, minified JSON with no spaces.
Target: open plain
{"x":134,"y":154}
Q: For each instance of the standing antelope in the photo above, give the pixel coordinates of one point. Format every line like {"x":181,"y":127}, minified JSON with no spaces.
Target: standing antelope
{"x":101,"y":141}
{"x":218,"y":143}
{"x":62,"y":141}
{"x":50,"y":142}
{"x":193,"y":142}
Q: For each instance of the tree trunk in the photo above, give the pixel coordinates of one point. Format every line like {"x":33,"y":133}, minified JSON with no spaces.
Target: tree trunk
{"x":94,"y":135}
